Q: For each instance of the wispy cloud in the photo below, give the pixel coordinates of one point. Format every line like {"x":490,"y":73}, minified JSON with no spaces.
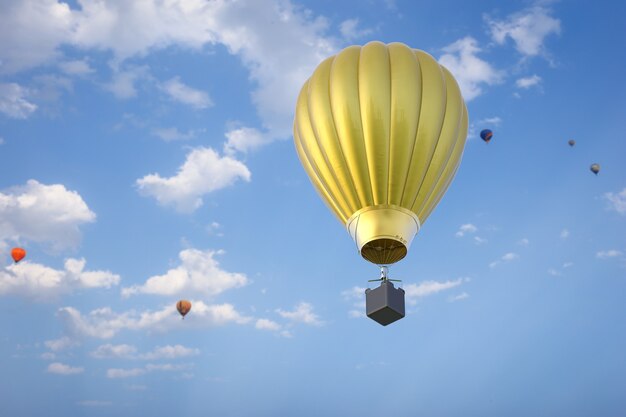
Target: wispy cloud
{"x":182,"y":93}
{"x":617,"y":201}
{"x":350,"y":29}
{"x":528,"y":29}
{"x":14,"y":102}
{"x":466,"y":229}
{"x":172,"y":134}
{"x":426,"y":288}
{"x":458,"y":297}
{"x":507,"y":257}
{"x":564,"y":234}
{"x":606,"y":254}
{"x":470,"y":71}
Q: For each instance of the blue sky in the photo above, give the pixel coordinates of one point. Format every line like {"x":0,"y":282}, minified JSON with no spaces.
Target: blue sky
{"x":146,"y":156}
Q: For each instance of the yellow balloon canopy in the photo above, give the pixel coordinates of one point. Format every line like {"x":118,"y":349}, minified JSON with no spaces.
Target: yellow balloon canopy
{"x":380,"y":130}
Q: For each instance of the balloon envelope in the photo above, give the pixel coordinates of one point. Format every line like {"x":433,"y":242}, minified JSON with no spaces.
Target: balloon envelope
{"x":571,"y":142}
{"x":380,"y":131}
{"x":595,"y":168}
{"x":183,"y":307}
{"x":486,"y":135}
{"x":18,"y":254}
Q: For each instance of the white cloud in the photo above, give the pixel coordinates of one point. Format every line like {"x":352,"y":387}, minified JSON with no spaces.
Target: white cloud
{"x":528,"y":82}
{"x":303,"y":313}
{"x":31,"y":32}
{"x":114,"y":351}
{"x":494,"y":121}
{"x":528,"y":29}
{"x":115,"y":373}
{"x":278,"y":42}
{"x":184,"y":94}
{"x":479,"y":240}
{"x":606,"y":254}
{"x":104,"y":323}
{"x":199,"y":272}
{"x":118,"y":373}
{"x":564,"y":234}
{"x":76,"y":67}
{"x":169,"y":352}
{"x":617,"y":201}
{"x":63,"y":369}
{"x":426,"y":288}
{"x":508,"y":257}
{"x":244,"y":139}
{"x":60,"y":344}
{"x":40,"y":282}
{"x":355,"y":295}
{"x":266,"y":324}
{"x":466,"y":228}
{"x":554,"y":272}
{"x":350,"y":31}
{"x":523,"y":242}
{"x":171,"y":134}
{"x":122,"y":85}
{"x":43,"y":213}
{"x":204,"y":171}
{"x":458,"y":297}
{"x":471,"y":72}
{"x":13,"y":101}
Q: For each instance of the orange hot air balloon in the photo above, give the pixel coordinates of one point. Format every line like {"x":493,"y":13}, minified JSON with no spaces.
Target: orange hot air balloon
{"x":183,"y":307}
{"x":18,"y":254}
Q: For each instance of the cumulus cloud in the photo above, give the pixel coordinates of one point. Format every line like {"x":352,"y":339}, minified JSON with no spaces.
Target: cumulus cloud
{"x":507,"y":257}
{"x":430,"y":287}
{"x":349,"y":29}
{"x":37,"y":212}
{"x":104,"y":323}
{"x":31,"y":33}
{"x":466,"y":228}
{"x":527,"y":82}
{"x":60,"y":344}
{"x":302,"y":313}
{"x":564,"y":234}
{"x":199,"y":272}
{"x":14,"y":102}
{"x":124,"y":351}
{"x":203,"y":172}
{"x":266,"y":324}
{"x":40,"y":282}
{"x":169,"y":352}
{"x":471,"y":72}
{"x":606,"y":254}
{"x":122,"y":84}
{"x":278,"y":43}
{"x":63,"y":369}
{"x":617,"y":201}
{"x":115,"y":373}
{"x":528,"y":29}
{"x":184,"y":94}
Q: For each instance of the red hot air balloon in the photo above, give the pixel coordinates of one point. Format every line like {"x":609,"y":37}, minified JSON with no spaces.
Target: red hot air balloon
{"x":18,"y":254}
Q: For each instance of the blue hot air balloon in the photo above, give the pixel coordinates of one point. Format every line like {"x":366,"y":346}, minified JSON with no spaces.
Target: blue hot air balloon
{"x":486,"y":135}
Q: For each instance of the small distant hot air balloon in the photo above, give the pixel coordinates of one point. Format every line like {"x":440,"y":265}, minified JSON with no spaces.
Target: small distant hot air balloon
{"x":486,"y":135}
{"x":183,"y":307}
{"x":571,"y":142}
{"x":18,"y":254}
{"x":595,"y":168}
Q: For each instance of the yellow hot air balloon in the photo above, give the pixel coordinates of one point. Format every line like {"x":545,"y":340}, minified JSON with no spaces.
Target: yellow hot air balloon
{"x":380,"y":130}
